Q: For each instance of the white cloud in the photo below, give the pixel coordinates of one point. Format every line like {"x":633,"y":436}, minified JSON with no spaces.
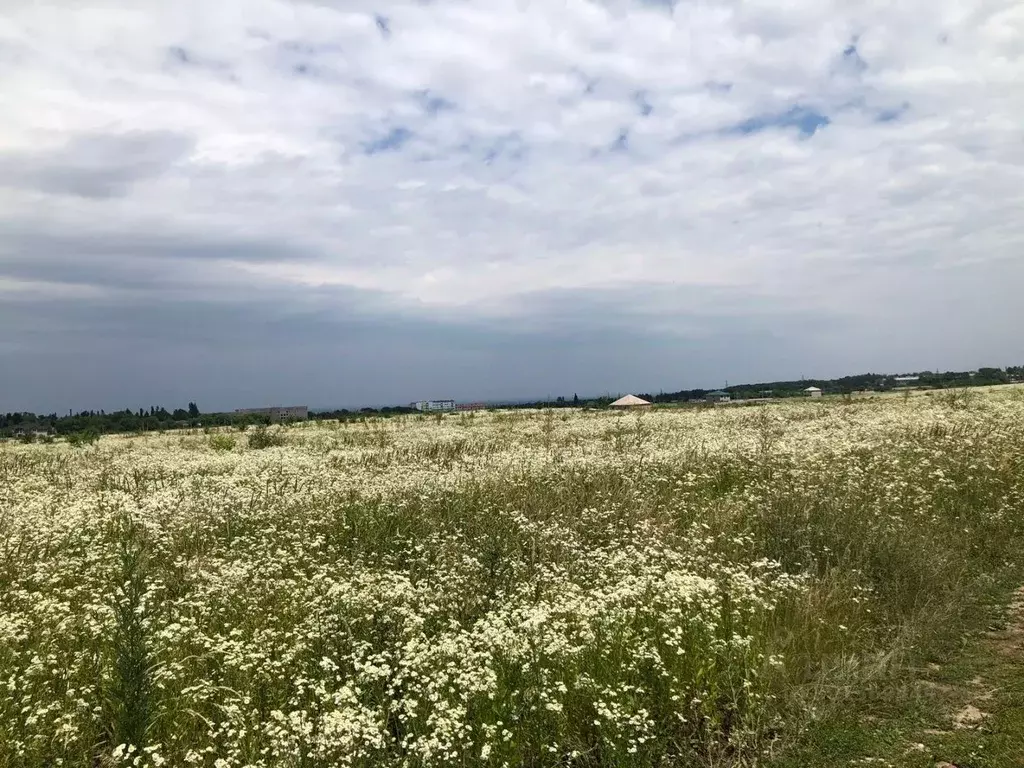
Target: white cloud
{"x":497,"y":176}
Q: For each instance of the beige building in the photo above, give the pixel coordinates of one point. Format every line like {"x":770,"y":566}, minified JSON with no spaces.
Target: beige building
{"x":813,"y":392}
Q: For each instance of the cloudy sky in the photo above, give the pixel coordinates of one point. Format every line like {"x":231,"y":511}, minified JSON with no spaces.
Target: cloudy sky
{"x":248,"y":202}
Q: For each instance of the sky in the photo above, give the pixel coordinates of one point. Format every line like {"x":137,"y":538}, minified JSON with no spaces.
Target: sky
{"x":256,"y":202}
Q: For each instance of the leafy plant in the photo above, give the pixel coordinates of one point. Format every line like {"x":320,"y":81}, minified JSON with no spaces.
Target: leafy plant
{"x":83,"y":438}
{"x":959,"y":399}
{"x":260,"y":437}
{"x":222,"y":442}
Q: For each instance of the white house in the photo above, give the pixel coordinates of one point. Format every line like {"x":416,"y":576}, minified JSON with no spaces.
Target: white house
{"x":813,"y":392}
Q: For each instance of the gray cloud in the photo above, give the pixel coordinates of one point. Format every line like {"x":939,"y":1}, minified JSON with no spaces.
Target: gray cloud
{"x":336,"y":350}
{"x":95,"y":166}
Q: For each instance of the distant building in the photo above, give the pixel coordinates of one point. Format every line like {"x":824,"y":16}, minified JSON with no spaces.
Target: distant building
{"x":278,"y":413}
{"x":813,"y":392}
{"x":718,"y":396}
{"x":434,"y":405}
{"x":906,"y":379}
{"x":34,"y":433}
{"x":470,"y":406}
{"x":631,"y":401}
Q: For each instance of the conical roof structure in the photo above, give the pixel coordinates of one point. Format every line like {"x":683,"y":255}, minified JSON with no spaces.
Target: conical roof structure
{"x":629,"y":401}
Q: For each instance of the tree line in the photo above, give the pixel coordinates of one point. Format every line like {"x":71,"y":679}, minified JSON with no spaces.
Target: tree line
{"x":84,"y":424}
{"x":843,"y":385}
{"x":153,"y":419}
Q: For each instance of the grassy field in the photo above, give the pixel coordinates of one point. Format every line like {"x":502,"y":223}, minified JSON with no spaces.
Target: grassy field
{"x":774,"y":585}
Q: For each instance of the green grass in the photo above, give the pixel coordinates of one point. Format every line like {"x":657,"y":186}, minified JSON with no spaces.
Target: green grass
{"x":909,"y":719}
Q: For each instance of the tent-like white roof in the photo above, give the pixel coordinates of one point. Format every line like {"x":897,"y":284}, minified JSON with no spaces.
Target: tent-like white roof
{"x":813,"y":389}
{"x":629,"y":400}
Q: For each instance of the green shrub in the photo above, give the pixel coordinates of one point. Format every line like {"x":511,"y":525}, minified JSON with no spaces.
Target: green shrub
{"x":83,"y":438}
{"x":959,"y":398}
{"x":260,"y":437}
{"x":222,"y":442}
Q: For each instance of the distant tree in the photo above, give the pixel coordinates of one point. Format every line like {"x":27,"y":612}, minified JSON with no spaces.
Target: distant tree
{"x":992,"y":374}
{"x":193,"y":410}
{"x":82,"y":438}
{"x":575,"y":399}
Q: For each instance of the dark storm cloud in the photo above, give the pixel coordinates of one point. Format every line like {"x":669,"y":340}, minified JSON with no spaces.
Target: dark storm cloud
{"x":339,"y":346}
{"x":344,"y":347}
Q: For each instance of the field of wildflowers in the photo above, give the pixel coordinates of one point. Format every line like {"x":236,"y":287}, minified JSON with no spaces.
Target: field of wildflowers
{"x":681,"y":587}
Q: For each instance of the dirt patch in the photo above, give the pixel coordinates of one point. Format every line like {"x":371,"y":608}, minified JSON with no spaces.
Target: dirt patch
{"x":974,"y":702}
{"x":1010,"y":639}
{"x":942,"y":689}
{"x":969,"y":717}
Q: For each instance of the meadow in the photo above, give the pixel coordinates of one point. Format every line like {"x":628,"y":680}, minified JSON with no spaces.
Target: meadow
{"x":679,"y":587}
